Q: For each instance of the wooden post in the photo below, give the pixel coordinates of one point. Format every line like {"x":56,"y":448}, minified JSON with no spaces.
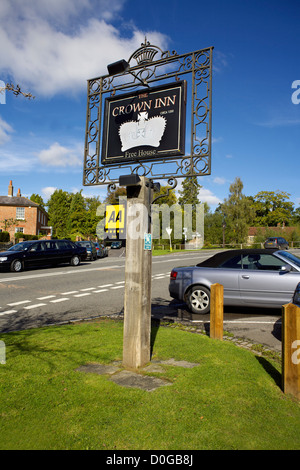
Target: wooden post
{"x":216,"y":311}
{"x":291,"y":349}
{"x":138,"y":271}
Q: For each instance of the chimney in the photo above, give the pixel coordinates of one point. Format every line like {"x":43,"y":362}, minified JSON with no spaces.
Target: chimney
{"x":19,"y":193}
{"x":10,"y":189}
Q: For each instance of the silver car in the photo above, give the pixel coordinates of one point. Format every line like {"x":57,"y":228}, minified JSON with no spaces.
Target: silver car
{"x":253,"y":278}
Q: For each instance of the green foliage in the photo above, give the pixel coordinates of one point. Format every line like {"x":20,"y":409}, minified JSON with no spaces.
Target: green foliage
{"x":4,"y":237}
{"x":190,"y":191}
{"x":169,"y":198}
{"x":72,"y":214}
{"x":38,"y":200}
{"x":238,"y":213}
{"x":27,"y":236}
{"x":272,"y":208}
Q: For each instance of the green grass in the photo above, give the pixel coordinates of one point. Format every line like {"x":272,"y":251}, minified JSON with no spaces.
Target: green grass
{"x":232,"y":400}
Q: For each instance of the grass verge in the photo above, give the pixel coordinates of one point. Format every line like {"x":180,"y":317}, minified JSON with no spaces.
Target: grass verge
{"x":231,"y":400}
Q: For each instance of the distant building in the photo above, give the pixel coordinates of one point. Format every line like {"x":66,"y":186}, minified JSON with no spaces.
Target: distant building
{"x":19,"y":214}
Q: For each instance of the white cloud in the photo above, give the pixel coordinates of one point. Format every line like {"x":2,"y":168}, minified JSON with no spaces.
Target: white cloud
{"x":48,"y":191}
{"x":11,"y":163}
{"x":59,"y":156}
{"x":5,"y":131}
{"x":52,"y":47}
{"x":205,"y":195}
{"x":219,"y":180}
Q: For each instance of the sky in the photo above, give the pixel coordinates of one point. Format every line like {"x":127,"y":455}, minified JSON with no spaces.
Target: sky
{"x":52,"y":47}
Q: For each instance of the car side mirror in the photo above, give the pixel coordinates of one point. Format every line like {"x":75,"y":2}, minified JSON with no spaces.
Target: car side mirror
{"x":286,"y":268}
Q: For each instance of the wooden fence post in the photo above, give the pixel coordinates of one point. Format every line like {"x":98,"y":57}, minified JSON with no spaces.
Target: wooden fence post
{"x":291,"y":349}
{"x":216,"y":311}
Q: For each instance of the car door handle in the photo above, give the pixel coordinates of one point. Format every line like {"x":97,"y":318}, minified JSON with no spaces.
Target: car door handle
{"x":245,"y":276}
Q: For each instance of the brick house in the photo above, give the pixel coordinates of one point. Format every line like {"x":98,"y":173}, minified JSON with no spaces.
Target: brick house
{"x":19,"y":214}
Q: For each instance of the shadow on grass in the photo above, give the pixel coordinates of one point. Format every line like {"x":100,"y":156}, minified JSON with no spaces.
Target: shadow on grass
{"x":271,"y":370}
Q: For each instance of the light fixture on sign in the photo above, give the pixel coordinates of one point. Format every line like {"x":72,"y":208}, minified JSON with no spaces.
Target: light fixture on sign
{"x":121,"y":66}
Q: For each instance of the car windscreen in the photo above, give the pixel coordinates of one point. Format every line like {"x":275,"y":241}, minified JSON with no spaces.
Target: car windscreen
{"x":23,"y":246}
{"x":290,"y":257}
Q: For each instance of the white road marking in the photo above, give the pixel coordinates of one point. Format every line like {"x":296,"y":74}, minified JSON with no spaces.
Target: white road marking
{"x":70,"y":292}
{"x":46,"y":297}
{"x":57,"y":273}
{"x":19,"y":303}
{"x":82,"y":295}
{"x":8,"y":312}
{"x":63,"y":299}
{"x":29,"y":307}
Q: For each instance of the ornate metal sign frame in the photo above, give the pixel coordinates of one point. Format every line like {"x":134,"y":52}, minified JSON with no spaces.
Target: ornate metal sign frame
{"x":145,"y":70}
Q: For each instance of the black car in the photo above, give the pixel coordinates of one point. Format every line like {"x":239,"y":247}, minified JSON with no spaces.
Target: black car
{"x":277,"y":242}
{"x":116,"y":245}
{"x":41,"y":253}
{"x":90,"y":249}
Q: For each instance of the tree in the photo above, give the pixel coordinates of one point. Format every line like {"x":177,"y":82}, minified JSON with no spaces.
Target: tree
{"x":169,"y":196}
{"x":38,"y":200}
{"x":189,"y":195}
{"x":190,"y":191}
{"x":273,"y":208}
{"x":58,"y":211}
{"x":238,"y":213}
{"x":113,"y":196}
{"x":77,"y":216}
{"x":92,"y":220}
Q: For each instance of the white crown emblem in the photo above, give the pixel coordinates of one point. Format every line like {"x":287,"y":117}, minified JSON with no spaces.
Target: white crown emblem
{"x":144,"y":131}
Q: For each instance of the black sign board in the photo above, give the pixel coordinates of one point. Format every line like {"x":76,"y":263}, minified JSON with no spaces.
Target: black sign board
{"x":296,"y":298}
{"x":145,"y":125}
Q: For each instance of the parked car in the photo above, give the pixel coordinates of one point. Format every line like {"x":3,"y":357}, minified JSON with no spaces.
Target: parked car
{"x":276,"y":242}
{"x":90,"y":249}
{"x":41,"y":253}
{"x":253,"y":278}
{"x":101,"y":250}
{"x":116,"y":245}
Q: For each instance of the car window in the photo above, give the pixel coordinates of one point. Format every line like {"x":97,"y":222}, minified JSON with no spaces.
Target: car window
{"x":62,"y":245}
{"x":36,"y":247}
{"x":22,"y":246}
{"x":262,"y":262}
{"x":232,"y":263}
{"x":48,"y":245}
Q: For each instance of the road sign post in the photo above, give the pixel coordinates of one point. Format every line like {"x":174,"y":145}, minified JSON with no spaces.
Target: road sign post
{"x":138,"y":270}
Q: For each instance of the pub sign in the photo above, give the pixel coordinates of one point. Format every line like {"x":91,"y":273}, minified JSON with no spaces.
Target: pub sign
{"x":147,"y":124}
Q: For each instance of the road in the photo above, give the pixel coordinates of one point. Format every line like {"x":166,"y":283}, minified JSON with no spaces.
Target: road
{"x":40,"y":297}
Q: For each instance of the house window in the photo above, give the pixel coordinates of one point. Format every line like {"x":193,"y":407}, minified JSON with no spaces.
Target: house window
{"x":20,"y":213}
{"x":20,"y":229}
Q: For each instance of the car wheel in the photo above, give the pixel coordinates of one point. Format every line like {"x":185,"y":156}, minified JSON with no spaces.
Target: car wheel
{"x":75,"y":260}
{"x":16,"y":266}
{"x":198,"y":299}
